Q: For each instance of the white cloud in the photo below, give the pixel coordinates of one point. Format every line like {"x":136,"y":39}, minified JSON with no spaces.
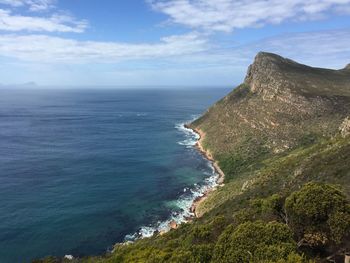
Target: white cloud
{"x":57,"y":21}
{"x":189,"y":51}
{"x":190,"y":56}
{"x":43,"y":48}
{"x":32,"y":5}
{"x":54,"y":23}
{"x":186,"y":59}
{"x":329,"y":49}
{"x":227,"y":15}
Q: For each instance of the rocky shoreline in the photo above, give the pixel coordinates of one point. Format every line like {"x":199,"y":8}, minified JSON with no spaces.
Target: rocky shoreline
{"x":220,"y":180}
{"x":196,"y":202}
{"x":208,"y":156}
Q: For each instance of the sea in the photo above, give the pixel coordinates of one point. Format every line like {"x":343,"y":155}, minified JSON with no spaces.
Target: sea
{"x":84,"y":168}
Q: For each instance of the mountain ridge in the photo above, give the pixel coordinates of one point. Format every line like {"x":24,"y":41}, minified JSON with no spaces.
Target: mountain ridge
{"x":272,"y":101}
{"x":270,"y":70}
{"x":282,"y":140}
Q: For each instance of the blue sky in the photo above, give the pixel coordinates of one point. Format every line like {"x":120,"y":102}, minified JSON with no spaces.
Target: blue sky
{"x":164,"y":42}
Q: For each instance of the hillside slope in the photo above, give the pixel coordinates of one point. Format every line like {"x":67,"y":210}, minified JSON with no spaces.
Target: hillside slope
{"x":280,"y":105}
{"x":282,"y":139}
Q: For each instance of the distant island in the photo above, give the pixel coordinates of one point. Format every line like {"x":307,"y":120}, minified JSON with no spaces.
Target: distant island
{"x":281,"y":143}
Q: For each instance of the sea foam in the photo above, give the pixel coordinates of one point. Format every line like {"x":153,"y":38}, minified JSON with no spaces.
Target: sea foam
{"x":191,"y":137}
{"x":182,"y":206}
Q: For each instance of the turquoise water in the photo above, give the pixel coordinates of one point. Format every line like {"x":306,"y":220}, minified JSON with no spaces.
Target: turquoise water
{"x":84,"y":169}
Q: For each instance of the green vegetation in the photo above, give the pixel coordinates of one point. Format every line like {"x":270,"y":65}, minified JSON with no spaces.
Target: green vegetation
{"x":319,"y":215}
{"x":255,"y":242}
{"x":244,"y":159}
{"x":326,"y":161}
{"x":287,"y":169}
{"x":309,"y":223}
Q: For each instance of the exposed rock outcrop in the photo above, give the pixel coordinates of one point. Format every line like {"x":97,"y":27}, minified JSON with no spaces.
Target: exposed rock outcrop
{"x":274,"y":75}
{"x":173,"y":225}
{"x":345,"y":128}
{"x":280,"y":104}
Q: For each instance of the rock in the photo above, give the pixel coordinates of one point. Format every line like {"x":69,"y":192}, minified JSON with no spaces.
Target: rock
{"x":193,"y":208}
{"x":280,"y":105}
{"x":345,"y":128}
{"x":173,"y":225}
{"x":162,"y":232}
{"x":246,"y":185}
{"x":272,"y":75}
{"x":69,"y":257}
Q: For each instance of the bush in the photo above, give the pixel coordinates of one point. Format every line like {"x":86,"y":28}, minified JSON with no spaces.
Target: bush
{"x":266,"y":209}
{"x":196,"y":254}
{"x":47,"y":260}
{"x":255,"y":242}
{"x":319,"y":214}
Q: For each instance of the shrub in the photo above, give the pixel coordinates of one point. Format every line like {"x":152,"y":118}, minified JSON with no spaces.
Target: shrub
{"x":255,"y":242}
{"x":319,"y":214}
{"x":265,"y":209}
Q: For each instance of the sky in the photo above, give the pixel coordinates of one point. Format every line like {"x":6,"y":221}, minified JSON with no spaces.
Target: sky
{"x":164,"y":42}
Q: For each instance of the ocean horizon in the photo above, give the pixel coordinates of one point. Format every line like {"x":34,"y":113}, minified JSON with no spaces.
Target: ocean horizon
{"x":82,"y":170}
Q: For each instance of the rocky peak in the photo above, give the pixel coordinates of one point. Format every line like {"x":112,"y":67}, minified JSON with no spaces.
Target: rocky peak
{"x":266,"y":74}
{"x":347,"y":67}
{"x":270,"y":60}
{"x":272,"y":75}
{"x":279,"y":104}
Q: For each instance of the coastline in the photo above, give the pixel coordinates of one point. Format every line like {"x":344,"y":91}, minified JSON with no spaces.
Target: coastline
{"x":209,"y":157}
{"x":191,"y":211}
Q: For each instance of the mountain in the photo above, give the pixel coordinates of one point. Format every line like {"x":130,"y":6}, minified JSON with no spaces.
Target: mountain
{"x":282,"y":139}
{"x":279,"y":104}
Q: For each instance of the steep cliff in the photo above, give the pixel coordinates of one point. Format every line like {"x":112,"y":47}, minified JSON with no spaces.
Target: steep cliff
{"x":283,"y":140}
{"x":281,"y":105}
{"x":287,"y":125}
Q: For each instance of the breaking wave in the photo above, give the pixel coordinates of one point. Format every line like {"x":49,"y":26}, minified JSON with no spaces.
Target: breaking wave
{"x":181,"y":211}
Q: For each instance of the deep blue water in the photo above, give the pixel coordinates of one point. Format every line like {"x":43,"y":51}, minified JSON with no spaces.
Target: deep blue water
{"x":81,"y":169}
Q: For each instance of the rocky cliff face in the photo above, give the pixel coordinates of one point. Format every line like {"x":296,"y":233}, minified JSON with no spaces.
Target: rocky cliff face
{"x":347,"y":67}
{"x":280,"y":105}
{"x":252,"y":132}
{"x":273,"y":75}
